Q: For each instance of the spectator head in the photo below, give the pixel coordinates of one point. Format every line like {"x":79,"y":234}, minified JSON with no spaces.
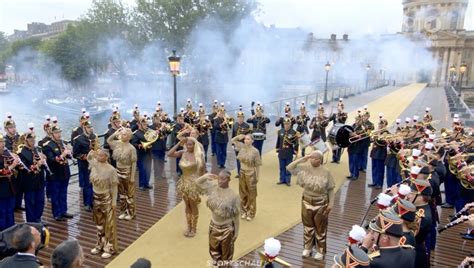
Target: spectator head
{"x":68,"y":254}
{"x":26,"y":239}
{"x":141,"y":263}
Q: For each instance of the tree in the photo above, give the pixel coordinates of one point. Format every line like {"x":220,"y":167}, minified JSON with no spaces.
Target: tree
{"x":172,"y":21}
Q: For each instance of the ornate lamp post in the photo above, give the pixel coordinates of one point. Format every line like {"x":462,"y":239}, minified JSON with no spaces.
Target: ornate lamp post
{"x":367,"y":77}
{"x":174,"y":63}
{"x":452,"y":69}
{"x":327,"y":68}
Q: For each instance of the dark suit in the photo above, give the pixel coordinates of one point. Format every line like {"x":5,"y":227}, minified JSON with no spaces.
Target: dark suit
{"x":394,"y":257}
{"x":258,"y":125}
{"x":287,"y":147}
{"x":203,"y":138}
{"x":378,"y":154}
{"x":422,"y":254}
{"x":32,"y":184}
{"x":59,"y":179}
{"x":20,"y":261}
{"x":9,"y":142}
{"x":158,"y":151}
{"x":365,"y":144}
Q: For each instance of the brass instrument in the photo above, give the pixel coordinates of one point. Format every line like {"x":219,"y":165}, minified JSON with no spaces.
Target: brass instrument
{"x":95,"y":144}
{"x":465,"y":177}
{"x":290,"y":139}
{"x":151,"y":136}
{"x":227,"y":124}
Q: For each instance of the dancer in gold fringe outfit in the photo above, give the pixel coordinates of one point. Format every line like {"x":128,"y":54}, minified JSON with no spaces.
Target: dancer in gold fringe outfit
{"x":193,"y":165}
{"x":104,"y":184}
{"x":250,"y":163}
{"x":317,"y":201}
{"x":125,"y":156}
{"x":224,"y":205}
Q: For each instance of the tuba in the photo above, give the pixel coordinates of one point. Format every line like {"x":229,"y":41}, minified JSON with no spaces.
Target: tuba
{"x":150,"y":136}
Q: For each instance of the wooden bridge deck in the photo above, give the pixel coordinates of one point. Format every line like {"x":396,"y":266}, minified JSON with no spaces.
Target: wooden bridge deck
{"x":350,"y":205}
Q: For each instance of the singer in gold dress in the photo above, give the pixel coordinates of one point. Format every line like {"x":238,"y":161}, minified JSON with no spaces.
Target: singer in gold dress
{"x":250,"y":163}
{"x":193,"y":165}
{"x":224,"y":205}
{"x":104,"y":184}
{"x":317,"y":201}
{"x":125,"y":156}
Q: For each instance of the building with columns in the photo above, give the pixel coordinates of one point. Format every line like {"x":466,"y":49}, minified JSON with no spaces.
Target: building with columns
{"x":440,"y":25}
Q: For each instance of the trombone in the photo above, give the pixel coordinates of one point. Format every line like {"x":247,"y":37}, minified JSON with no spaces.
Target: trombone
{"x":367,"y":134}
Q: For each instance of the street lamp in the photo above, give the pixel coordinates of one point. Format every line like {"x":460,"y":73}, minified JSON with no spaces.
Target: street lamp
{"x":452,"y":69}
{"x":327,"y":67}
{"x":462,"y":70}
{"x":367,"y":77}
{"x":174,"y":62}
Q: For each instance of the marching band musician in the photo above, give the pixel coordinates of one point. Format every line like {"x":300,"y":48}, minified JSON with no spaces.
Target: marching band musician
{"x":286,"y":147}
{"x":318,"y":124}
{"x":81,"y":146}
{"x":407,"y":212}
{"x":144,"y":159}
{"x":355,"y":149}
{"x":178,"y":127}
{"x":158,"y":148}
{"x":251,"y":162}
{"x":11,"y":143}
{"x":125,"y":156}
{"x":339,"y":118}
{"x":259,"y":125}
{"x":212,"y":116}
{"x":240,"y":127}
{"x":367,"y":126}
{"x":288,"y":115}
{"x":203,"y":125}
{"x":8,"y":163}
{"x":82,"y":119}
{"x":189,"y":115}
{"x":57,"y":155}
{"x":222,"y":127}
{"x":317,"y":201}
{"x":32,"y":180}
{"x":115,"y":124}
{"x":427,"y":119}
{"x":47,"y":130}
{"x":136,"y":118}
{"x":104,"y":180}
{"x":379,"y":154}
{"x":302,"y":123}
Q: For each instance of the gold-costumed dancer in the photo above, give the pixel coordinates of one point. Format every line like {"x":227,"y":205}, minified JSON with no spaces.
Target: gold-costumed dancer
{"x":104,"y":184}
{"x":250,"y":162}
{"x":192,"y":165}
{"x":125,"y":156}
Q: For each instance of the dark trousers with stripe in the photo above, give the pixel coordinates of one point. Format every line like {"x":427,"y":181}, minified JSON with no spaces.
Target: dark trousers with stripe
{"x":393,"y":177}
{"x":451,"y":188}
{"x":34,"y":205}
{"x":354,"y":162}
{"x":7,"y":212}
{"x":259,"y":145}
{"x":221,"y":153}
{"x":85,"y":183}
{"x":144,"y":170}
{"x":378,"y":171}
{"x":285,"y":175}
{"x":59,"y":197}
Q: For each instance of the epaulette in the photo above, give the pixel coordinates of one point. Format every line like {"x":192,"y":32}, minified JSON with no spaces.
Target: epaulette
{"x":46,"y":143}
{"x":374,"y":254}
{"x":134,"y":131}
{"x":407,"y":246}
{"x":75,"y":129}
{"x":76,"y":137}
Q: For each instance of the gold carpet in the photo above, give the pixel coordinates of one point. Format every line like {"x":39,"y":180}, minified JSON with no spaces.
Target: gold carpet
{"x":278,"y":207}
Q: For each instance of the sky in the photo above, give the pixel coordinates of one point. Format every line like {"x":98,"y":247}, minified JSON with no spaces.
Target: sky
{"x":323,"y":17}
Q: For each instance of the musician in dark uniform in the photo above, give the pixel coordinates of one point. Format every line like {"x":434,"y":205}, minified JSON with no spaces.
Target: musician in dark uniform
{"x":392,"y":164}
{"x":57,"y":155}
{"x":407,"y":212}
{"x":420,"y":196}
{"x":259,"y":125}
{"x":288,"y":115}
{"x":385,"y":233}
{"x":7,"y":186}
{"x":203,"y":125}
{"x":287,"y":148}
{"x":212,"y":116}
{"x":47,"y":130}
{"x":178,"y":126}
{"x":190,"y":115}
{"x":339,"y":118}
{"x":318,"y":125}
{"x":222,"y":125}
{"x":144,"y":158}
{"x":240,"y":127}
{"x":115,"y":124}
{"x":79,"y":130}
{"x":427,"y":119}
{"x":367,"y":127}
{"x":353,"y":257}
{"x":302,"y":123}
{"x":11,"y":143}
{"x":378,"y":155}
{"x":33,"y":179}
{"x":354,"y":150}
{"x":158,"y":148}
{"x":81,"y":146}
{"x":136,"y":118}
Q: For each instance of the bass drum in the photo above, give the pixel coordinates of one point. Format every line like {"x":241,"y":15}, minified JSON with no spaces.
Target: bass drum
{"x":339,"y":135}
